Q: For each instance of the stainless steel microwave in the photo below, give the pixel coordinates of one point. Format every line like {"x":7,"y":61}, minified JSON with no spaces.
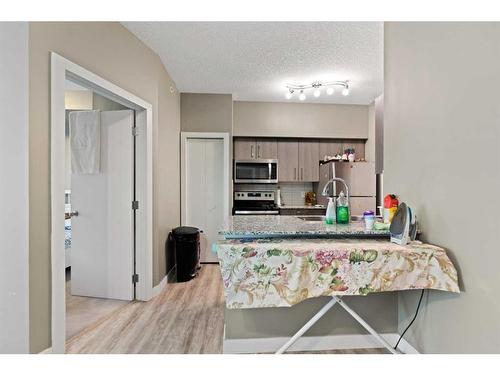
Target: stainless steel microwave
{"x":263,"y":171}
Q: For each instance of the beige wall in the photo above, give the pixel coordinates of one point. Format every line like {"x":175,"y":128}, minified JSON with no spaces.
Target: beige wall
{"x":300,"y":120}
{"x":112,"y":52}
{"x":206,"y":112}
{"x":442,"y":111}
{"x":380,"y":311}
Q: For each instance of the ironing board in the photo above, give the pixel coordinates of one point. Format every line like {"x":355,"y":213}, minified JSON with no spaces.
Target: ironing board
{"x":283,"y":272}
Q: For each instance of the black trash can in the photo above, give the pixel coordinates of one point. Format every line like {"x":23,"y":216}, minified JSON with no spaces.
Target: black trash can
{"x":186,"y":241}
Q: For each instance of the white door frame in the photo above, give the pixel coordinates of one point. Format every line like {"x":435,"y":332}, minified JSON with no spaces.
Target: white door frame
{"x":61,"y":69}
{"x":185,"y":136}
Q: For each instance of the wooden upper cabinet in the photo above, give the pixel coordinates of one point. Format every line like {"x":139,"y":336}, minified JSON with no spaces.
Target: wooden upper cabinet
{"x":244,"y":148}
{"x":298,"y":161}
{"x":288,"y":161}
{"x":329,"y":147}
{"x":267,"y":149}
{"x":250,"y":148}
{"x":308,"y":161}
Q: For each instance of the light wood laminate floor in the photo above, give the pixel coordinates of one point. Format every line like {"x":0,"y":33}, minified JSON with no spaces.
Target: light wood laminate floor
{"x":83,"y":312}
{"x":183,"y":318}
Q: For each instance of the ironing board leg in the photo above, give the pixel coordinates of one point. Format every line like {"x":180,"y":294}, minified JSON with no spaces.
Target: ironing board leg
{"x":308,"y":325}
{"x":365,"y":325}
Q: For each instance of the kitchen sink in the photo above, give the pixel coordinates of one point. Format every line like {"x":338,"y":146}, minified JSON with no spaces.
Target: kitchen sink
{"x":311,"y":218}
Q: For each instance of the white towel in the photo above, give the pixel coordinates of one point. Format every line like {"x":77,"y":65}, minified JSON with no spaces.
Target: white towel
{"x":85,"y":140}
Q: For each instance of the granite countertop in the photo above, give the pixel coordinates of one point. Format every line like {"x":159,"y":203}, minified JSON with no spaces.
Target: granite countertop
{"x":272,"y":226}
{"x":291,"y":207}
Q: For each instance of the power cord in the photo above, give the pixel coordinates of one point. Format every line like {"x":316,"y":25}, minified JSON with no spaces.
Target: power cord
{"x":415,"y":317}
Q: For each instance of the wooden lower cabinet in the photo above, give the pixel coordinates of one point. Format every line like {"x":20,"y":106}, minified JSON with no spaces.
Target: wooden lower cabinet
{"x":302,"y":211}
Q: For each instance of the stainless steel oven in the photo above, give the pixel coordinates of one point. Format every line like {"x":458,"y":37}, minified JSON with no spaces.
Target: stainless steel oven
{"x":264,"y":171}
{"x":255,"y":203}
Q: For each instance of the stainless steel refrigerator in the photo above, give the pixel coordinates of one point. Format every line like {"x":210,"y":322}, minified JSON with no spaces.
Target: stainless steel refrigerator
{"x":359,"y":176}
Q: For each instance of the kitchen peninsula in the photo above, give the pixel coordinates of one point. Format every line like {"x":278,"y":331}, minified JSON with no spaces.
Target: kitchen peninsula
{"x":280,"y":261}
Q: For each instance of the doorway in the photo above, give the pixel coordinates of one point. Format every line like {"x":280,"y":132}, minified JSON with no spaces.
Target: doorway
{"x":126,"y":133}
{"x":99,"y":220}
{"x":205,"y":187}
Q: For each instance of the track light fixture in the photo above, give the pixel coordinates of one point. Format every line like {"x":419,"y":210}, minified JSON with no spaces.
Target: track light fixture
{"x":316,"y":86}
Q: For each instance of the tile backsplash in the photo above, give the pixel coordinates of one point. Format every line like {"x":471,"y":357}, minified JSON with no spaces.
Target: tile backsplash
{"x":291,"y":192}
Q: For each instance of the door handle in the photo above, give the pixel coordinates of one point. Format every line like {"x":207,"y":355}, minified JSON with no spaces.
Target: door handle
{"x":73,"y":213}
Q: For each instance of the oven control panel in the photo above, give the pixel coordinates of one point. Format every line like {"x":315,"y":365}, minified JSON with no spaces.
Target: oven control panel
{"x":254,"y":195}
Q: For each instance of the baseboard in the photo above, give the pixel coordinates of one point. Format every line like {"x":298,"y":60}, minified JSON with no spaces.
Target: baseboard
{"x":158,"y":288}
{"x":314,"y":343}
{"x":46,"y":351}
{"x":405,"y":347}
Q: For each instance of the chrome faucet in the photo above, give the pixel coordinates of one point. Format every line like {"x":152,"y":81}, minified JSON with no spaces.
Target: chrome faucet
{"x":331,"y":181}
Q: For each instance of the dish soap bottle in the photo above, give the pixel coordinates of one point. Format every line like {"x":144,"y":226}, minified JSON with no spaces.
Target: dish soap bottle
{"x":342,"y":209}
{"x":330,"y":211}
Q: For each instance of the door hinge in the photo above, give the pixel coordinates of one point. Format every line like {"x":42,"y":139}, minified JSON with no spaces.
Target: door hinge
{"x":135,"y":278}
{"x":135,"y":205}
{"x":135,"y":132}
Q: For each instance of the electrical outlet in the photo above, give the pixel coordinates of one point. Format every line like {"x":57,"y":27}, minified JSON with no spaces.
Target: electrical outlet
{"x":303,"y":194}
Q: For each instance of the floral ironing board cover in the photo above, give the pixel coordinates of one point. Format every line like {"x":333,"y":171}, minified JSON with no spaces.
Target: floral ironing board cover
{"x":283,"y":272}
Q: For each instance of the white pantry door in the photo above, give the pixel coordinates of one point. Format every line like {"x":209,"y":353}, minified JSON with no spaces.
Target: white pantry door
{"x":205,"y":190}
{"x":102,"y":259}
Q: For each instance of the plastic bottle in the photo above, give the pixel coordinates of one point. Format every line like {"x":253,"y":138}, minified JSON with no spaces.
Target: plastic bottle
{"x":342,"y":209}
{"x":330,"y":211}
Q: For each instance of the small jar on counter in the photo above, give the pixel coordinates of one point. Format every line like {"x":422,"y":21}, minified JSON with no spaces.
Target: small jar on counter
{"x":369,"y":218}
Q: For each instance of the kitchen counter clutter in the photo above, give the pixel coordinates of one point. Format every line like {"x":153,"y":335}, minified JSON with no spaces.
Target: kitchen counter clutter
{"x":257,"y":226}
{"x":283,"y":272}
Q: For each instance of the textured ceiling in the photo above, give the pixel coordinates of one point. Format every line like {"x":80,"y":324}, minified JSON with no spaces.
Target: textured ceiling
{"x":254,"y":60}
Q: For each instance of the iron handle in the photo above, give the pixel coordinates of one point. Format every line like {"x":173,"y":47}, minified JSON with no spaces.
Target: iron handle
{"x":73,"y":213}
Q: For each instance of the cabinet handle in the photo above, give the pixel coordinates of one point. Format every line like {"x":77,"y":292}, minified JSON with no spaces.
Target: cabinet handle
{"x":251,"y":151}
{"x":294,"y":173}
{"x":258,"y":151}
{"x":302,"y":174}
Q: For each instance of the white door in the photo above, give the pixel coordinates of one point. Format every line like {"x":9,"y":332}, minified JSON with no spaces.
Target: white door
{"x":103,"y":232}
{"x":205,"y":190}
